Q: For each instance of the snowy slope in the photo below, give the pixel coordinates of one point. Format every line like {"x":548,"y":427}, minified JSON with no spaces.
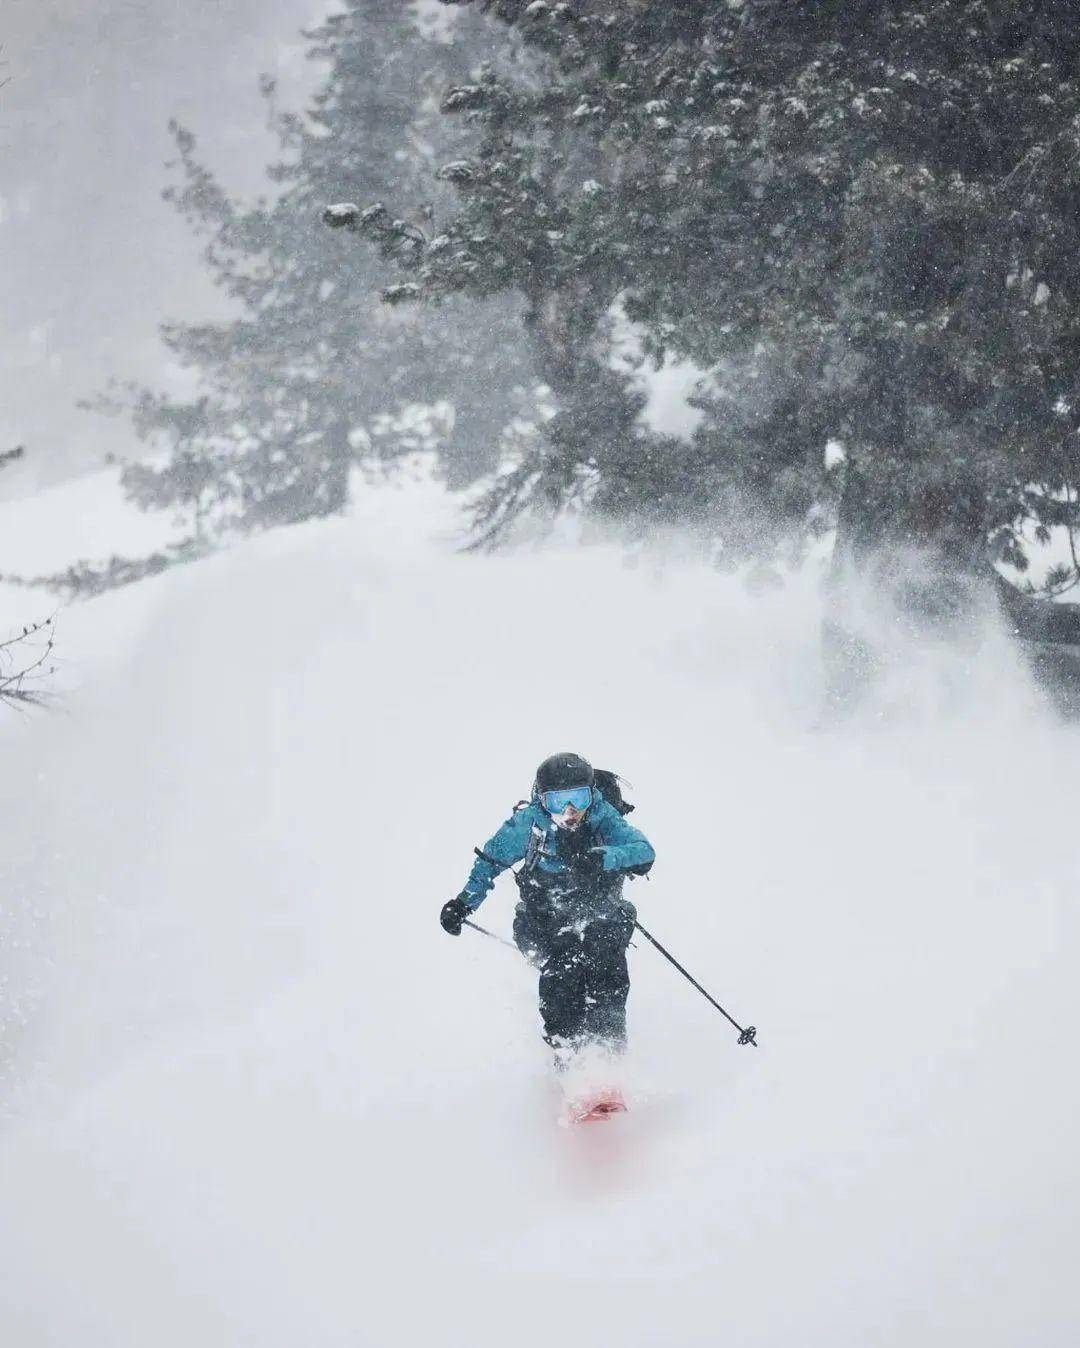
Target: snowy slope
{"x":86,"y":518}
{"x":257,"y":1096}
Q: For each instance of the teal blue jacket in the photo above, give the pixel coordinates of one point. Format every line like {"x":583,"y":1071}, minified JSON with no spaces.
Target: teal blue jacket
{"x":532,"y":836}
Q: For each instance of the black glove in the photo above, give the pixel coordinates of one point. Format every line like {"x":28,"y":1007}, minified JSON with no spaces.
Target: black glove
{"x":591,"y":867}
{"x":453,"y":915}
{"x":586,"y":862}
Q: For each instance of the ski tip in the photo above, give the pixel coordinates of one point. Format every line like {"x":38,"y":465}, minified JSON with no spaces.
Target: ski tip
{"x":595,"y":1107}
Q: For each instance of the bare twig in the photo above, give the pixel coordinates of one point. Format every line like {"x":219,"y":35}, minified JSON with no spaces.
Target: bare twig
{"x":35,"y":644}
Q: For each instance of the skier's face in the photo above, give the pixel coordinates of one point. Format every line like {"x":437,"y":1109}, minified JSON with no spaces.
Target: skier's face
{"x":569,"y":818}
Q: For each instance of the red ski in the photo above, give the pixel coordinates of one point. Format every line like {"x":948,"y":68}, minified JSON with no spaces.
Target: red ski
{"x":596,"y":1106}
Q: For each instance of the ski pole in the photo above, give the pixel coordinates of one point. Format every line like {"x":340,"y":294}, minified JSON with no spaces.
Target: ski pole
{"x":484,"y":932}
{"x":747,"y":1036}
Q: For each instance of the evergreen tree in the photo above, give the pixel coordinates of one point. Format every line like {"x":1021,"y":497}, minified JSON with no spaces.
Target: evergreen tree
{"x":313,"y":374}
{"x":860,"y":217}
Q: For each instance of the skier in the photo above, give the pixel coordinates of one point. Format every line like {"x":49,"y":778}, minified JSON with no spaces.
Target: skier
{"x":571,"y":921}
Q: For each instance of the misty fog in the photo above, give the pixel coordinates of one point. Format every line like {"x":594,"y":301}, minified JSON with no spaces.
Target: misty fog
{"x":92,"y":259}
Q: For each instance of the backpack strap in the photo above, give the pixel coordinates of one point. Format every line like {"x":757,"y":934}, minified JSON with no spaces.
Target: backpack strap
{"x":490,"y":860}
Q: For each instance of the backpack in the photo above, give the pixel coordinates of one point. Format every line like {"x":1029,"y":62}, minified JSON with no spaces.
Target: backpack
{"x":609,"y":784}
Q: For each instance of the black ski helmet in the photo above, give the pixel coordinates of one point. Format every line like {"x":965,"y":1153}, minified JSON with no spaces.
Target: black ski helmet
{"x":560,"y":772}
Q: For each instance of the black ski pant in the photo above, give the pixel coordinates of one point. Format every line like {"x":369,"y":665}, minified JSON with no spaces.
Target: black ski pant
{"x":578,"y":942}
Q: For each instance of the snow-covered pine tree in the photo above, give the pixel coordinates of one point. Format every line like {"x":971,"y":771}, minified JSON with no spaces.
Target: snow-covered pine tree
{"x":312,"y":374}
{"x":859,"y":217}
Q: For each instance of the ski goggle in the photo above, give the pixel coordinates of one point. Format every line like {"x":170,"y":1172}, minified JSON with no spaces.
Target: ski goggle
{"x":577,"y":797}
